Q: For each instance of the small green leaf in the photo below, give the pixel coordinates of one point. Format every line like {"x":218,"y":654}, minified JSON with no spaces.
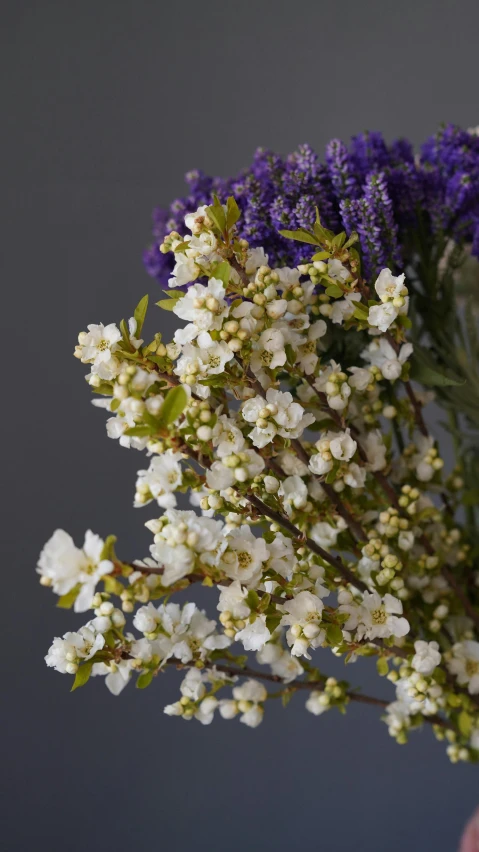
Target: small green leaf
{"x":382,"y":666}
{"x":334,"y":291}
{"x":425,"y":371}
{"x":286,"y":697}
{"x":361,"y":312}
{"x":174,"y":294}
{"x":321,"y":255}
{"x":334,"y":634}
{"x":112,"y":585}
{"x":339,"y":240}
{"x":471,"y":497}
{"x":67,"y":600}
{"x":140,"y":431}
{"x":108,"y":551}
{"x":82,"y":675}
{"x":175,"y":402}
{"x":301,"y":235}
{"x":233,"y":212}
{"x":167,"y":304}
{"x":223,"y":272}
{"x":353,"y":238}
{"x":140,"y":314}
{"x":290,"y":354}
{"x":464,"y":723}
{"x":272,"y":622}
{"x":144,"y":680}
{"x":252,"y":599}
{"x":109,"y":637}
{"x":217,"y":214}
{"x":125,"y":333}
{"x":104,"y":388}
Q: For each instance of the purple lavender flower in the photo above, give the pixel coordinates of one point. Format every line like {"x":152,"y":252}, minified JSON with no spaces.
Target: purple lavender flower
{"x":379,"y":190}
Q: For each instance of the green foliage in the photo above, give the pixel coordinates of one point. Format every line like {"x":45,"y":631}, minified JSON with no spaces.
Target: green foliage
{"x":217,"y":215}
{"x":175,"y":402}
{"x":66,"y":601}
{"x":424,"y":370}
{"x":144,"y":680}
{"x":82,"y":675}
{"x":140,"y":314}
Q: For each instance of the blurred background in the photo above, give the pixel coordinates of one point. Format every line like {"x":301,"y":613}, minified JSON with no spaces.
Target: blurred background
{"x":105,"y":105}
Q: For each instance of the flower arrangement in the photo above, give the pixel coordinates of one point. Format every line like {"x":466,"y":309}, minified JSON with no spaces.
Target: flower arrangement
{"x":322,"y":303}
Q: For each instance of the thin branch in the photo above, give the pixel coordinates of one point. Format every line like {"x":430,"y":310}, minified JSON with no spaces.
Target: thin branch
{"x":308,"y":685}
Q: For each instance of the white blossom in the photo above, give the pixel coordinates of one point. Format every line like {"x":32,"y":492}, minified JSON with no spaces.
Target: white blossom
{"x":382,"y":316}
{"x":204,"y":306}
{"x":255,"y":635}
{"x":317,"y":703}
{"x":426,"y":658}
{"x":465,"y":665}
{"x":281,"y":662}
{"x":183,"y":539}
{"x":248,"y":700}
{"x":185,"y":270}
{"x":66,"y":654}
{"x":277,"y":415}
{"x":64,"y":566}
{"x":381,"y":354}
{"x":343,"y":309}
{"x":244,"y":556}
{"x":303,"y":616}
{"x":374,"y":617}
{"x":160,"y":481}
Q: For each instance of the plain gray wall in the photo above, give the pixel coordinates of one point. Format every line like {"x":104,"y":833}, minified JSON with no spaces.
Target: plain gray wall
{"x":104,"y":106}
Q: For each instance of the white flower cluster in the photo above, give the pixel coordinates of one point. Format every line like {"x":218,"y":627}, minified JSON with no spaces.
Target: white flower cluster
{"x":288,"y":431}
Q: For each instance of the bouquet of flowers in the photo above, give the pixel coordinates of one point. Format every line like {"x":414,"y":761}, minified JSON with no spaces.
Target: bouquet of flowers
{"x":326,"y":304}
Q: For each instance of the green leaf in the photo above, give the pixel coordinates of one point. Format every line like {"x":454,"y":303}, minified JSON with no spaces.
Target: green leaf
{"x":464,"y":723}
{"x":404,"y":321}
{"x":217,"y":214}
{"x":334,"y":634}
{"x":82,"y":675}
{"x":109,"y":637}
{"x":272,"y":622}
{"x":144,"y":680}
{"x":382,"y":666}
{"x":125,"y":333}
{"x":471,"y":497}
{"x":167,"y":304}
{"x":158,"y":359}
{"x":252,"y":599}
{"x":140,"y":431}
{"x":140,"y":314}
{"x":233,"y":212}
{"x":174,"y":294}
{"x":331,"y":477}
{"x":301,"y":235}
{"x":290,"y":354}
{"x":112,"y":585}
{"x":108,"y":551}
{"x":334,"y":291}
{"x":361,"y":312}
{"x":223,"y":272}
{"x":104,"y":388}
{"x":321,"y":255}
{"x":353,"y":238}
{"x":339,"y":240}
{"x":175,"y":403}
{"x":66,"y":601}
{"x":425,"y":371}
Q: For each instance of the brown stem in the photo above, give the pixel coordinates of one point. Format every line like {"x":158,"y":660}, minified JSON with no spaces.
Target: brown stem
{"x":317,"y":684}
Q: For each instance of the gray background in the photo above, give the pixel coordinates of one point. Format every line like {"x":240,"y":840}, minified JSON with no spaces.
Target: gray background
{"x":104,"y":106}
